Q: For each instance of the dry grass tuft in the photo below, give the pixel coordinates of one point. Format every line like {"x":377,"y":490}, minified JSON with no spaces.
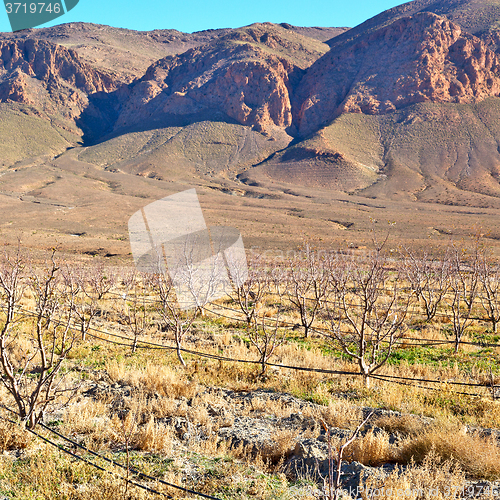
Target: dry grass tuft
{"x":13,"y":437}
{"x":198,"y":414}
{"x":86,"y":417}
{"x":282,"y":445}
{"x":434,"y":479}
{"x":109,"y":489}
{"x":477,"y":456}
{"x":404,"y":425}
{"x":154,"y":437}
{"x":370,"y":449}
{"x":153,"y":379}
{"x":340,"y":413}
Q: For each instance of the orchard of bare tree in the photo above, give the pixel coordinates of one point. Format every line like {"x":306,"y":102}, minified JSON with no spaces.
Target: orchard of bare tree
{"x":383,"y":358}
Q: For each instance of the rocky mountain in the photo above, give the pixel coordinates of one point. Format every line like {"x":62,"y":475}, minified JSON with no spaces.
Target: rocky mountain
{"x":445,"y":151}
{"x":52,"y":82}
{"x":318,"y":33}
{"x":248,"y":75}
{"x":477,"y":17}
{"x":421,"y":58}
{"x":404,"y":107}
{"x":124,"y":53}
{"x":53,"y":66}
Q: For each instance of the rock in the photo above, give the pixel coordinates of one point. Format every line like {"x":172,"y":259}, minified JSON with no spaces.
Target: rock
{"x":380,"y":412}
{"x":247,"y":75}
{"x":310,"y":457}
{"x":103,"y":390}
{"x":311,"y":451}
{"x":56,"y":84}
{"x":484,"y":432}
{"x":420,"y":58}
{"x":52,"y":64}
{"x":352,"y":474}
{"x":251,"y":433}
{"x":247,"y":85}
{"x":183,"y":428}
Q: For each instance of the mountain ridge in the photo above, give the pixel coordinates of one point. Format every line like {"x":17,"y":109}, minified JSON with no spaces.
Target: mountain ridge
{"x":404,"y":111}
{"x":436,"y":61}
{"x":477,"y":17}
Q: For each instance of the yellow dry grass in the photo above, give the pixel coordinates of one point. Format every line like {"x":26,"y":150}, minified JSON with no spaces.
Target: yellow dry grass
{"x":477,"y":456}
{"x":432,"y":479}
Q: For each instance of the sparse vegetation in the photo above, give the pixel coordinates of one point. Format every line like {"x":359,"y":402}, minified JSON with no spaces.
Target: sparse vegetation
{"x":186,"y":424}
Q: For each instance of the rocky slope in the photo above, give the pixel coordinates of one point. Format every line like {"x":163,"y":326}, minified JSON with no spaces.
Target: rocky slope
{"x":245,"y":75}
{"x":478,"y":17}
{"x":277,"y":96}
{"x":318,"y":33}
{"x":48,"y":62}
{"x":279,"y":427}
{"x":54,"y":83}
{"x":248,"y":75}
{"x":423,"y":58}
{"x":126,"y":53}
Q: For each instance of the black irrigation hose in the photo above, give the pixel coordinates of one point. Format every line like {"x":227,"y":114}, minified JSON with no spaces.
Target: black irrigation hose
{"x":131,"y":469}
{"x":151,"y":345}
{"x":123,"y":337}
{"x":225,"y":358}
{"x":82,"y":459}
{"x":110,"y":461}
{"x":468,"y":384}
{"x":338,"y":372}
{"x":404,"y":289}
{"x":379,"y":377}
{"x":451,"y":341}
{"x":322,"y":331}
{"x":439,"y":314}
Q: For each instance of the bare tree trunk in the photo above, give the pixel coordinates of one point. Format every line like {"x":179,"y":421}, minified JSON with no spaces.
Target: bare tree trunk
{"x":429,"y":279}
{"x":266,"y":339}
{"x":464,"y":281}
{"x":489,"y":296}
{"x":178,"y":336}
{"x":308,"y":286}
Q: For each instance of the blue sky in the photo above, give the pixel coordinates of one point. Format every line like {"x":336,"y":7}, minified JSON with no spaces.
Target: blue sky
{"x":196,"y":15}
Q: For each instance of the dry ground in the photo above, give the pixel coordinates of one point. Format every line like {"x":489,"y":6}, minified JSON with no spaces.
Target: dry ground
{"x":85,"y":208}
{"x":221,"y":428}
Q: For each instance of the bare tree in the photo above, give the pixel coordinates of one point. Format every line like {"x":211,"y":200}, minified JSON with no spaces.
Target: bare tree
{"x":428,"y":277}
{"x":266,"y":338}
{"x":308,"y":288}
{"x":94,"y":282}
{"x":33,"y":353}
{"x":196,"y":276}
{"x":12,"y":285}
{"x":135,"y":304}
{"x":489,"y":296}
{"x":248,"y":295}
{"x":279,"y":280}
{"x":464,"y":284}
{"x":172,"y":316}
{"x":368,"y":313}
